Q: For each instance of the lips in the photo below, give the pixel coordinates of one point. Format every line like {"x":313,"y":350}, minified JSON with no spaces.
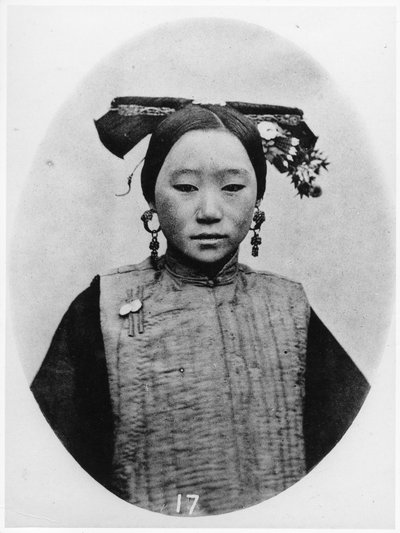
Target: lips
{"x":208,"y":237}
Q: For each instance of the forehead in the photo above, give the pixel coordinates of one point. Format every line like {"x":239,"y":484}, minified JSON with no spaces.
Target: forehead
{"x":207,"y":149}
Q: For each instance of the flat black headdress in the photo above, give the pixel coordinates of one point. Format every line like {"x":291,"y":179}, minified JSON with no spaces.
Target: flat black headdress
{"x":287,"y":141}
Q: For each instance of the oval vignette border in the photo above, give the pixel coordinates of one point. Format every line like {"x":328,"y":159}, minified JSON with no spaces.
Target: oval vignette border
{"x":104,"y":188}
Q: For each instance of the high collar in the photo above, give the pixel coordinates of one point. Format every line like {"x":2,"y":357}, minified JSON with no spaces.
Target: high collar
{"x":190,"y":274}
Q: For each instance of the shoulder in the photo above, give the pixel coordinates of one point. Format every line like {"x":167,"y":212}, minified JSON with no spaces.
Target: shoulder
{"x":128,"y":279}
{"x":84,"y":309}
{"x":270,"y":279}
{"x":144,"y":266}
{"x":87,"y":302}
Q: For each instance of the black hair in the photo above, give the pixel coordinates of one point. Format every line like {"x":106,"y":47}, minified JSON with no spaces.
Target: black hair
{"x":201,"y":117}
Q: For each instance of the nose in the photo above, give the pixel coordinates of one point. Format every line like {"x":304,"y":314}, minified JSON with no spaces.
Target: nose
{"x":209,"y":209}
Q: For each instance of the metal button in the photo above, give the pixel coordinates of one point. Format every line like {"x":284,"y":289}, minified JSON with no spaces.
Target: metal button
{"x":136,"y":305}
{"x":130,"y":307}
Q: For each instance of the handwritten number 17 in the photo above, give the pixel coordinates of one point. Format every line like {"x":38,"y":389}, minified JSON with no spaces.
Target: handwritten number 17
{"x":194,"y":497}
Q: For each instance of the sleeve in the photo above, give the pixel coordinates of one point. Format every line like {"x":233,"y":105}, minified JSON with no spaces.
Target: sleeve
{"x":334,"y":392}
{"x":71,"y":386}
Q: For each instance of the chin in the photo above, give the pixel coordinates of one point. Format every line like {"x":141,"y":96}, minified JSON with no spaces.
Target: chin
{"x":208,"y":260}
{"x":210,"y":257}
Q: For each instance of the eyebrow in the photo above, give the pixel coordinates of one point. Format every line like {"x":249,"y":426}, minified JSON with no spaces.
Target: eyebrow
{"x":184,"y":171}
{"x":235,"y":171}
{"x":192,"y":171}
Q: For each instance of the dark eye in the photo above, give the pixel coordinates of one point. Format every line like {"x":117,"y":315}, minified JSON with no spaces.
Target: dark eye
{"x":233,"y":187}
{"x":185,"y":187}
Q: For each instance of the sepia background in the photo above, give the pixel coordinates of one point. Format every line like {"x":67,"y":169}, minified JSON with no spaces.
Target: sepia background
{"x":66,"y":224}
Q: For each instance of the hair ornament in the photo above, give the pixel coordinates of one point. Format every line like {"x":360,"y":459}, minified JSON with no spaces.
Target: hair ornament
{"x":129,"y":179}
{"x":288,"y":142}
{"x":286,"y":153}
{"x":205,"y":101}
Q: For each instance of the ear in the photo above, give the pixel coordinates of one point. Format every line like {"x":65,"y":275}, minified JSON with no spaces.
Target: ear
{"x":258,"y":203}
{"x":152,"y":205}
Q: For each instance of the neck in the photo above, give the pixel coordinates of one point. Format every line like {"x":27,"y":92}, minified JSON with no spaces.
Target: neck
{"x":209,"y":270}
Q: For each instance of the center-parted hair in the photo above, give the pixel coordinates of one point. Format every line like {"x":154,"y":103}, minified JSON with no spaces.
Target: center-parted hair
{"x":204,"y":117}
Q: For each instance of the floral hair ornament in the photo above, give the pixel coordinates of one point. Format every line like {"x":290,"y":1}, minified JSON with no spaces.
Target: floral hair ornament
{"x":288,"y":155}
{"x":288,"y":142}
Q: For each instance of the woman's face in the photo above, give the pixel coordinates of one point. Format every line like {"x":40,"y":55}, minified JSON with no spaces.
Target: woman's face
{"x":205,"y":195}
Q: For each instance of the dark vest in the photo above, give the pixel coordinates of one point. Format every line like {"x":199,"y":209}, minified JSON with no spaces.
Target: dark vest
{"x":207,"y":386}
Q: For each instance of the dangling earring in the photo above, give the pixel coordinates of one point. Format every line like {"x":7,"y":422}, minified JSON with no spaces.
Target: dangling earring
{"x":258,"y":219}
{"x":154,"y":244}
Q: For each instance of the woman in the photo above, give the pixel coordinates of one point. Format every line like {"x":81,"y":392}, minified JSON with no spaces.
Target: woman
{"x":191,"y":384}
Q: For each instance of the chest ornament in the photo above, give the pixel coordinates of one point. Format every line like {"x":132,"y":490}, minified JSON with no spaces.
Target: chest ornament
{"x":131,"y":309}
